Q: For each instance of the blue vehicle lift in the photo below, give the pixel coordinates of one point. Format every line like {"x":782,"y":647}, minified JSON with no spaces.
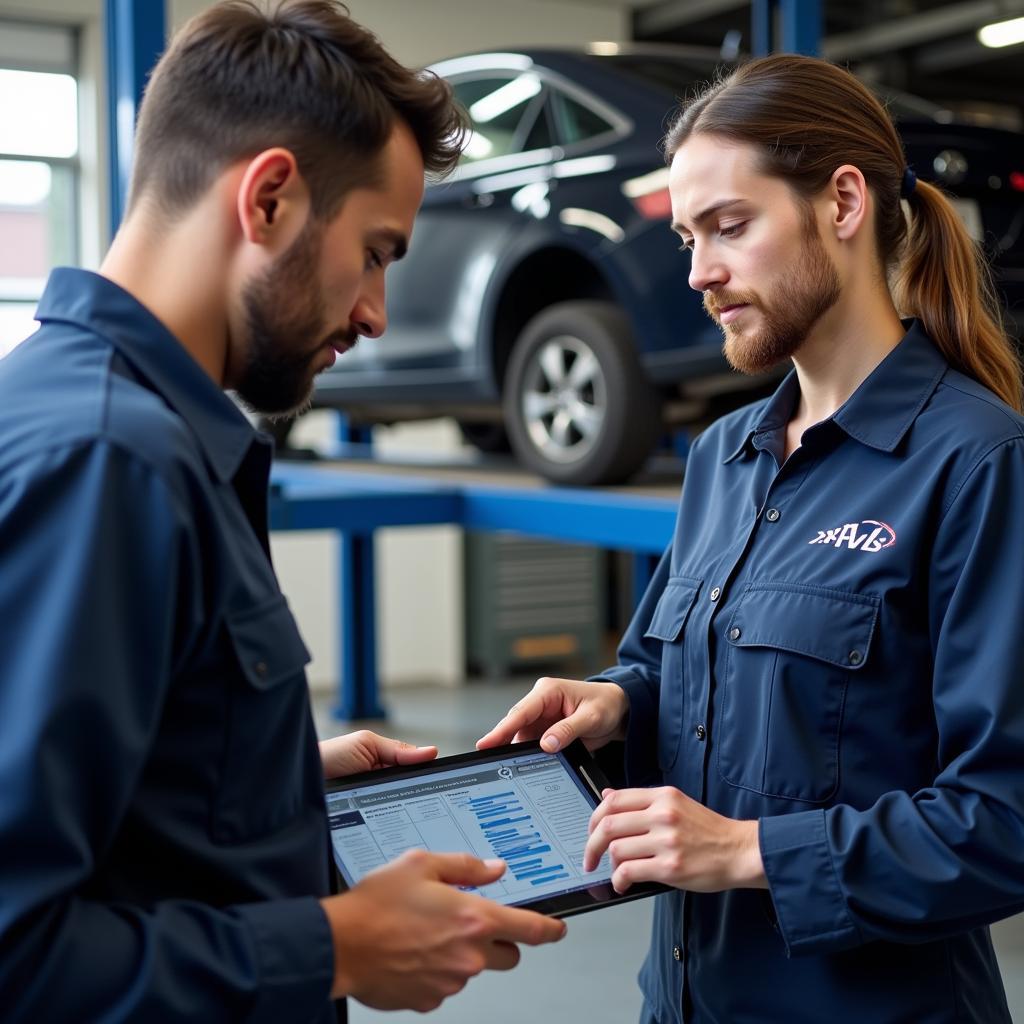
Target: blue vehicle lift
{"x":305,"y":497}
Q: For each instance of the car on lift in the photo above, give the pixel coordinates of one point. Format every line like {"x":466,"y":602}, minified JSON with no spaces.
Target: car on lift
{"x":544,"y":303}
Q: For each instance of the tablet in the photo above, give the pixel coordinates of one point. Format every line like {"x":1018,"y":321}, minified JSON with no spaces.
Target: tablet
{"x":517,"y":802}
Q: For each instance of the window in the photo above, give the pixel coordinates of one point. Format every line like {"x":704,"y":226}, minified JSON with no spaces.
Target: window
{"x":578,"y":123}
{"x":38,"y":167}
{"x":502,"y":110}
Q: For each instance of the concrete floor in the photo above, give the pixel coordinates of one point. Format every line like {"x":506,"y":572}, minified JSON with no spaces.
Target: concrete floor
{"x":590,"y":976}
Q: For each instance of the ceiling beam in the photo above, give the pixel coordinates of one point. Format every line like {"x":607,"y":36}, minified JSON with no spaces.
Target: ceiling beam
{"x":919,"y":28}
{"x":959,"y":54}
{"x":670,"y":14}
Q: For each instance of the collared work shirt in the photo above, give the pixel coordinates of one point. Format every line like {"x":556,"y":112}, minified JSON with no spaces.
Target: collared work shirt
{"x":832,"y":645}
{"x":163,"y":837}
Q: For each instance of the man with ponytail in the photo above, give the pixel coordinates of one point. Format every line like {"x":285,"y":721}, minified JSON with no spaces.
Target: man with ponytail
{"x":820,"y":693}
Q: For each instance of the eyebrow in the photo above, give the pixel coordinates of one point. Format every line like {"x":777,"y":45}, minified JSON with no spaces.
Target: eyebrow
{"x":704,"y":214}
{"x":395,"y":239}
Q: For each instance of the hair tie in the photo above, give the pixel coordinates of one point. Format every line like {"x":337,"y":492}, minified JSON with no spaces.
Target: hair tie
{"x":908,"y":184}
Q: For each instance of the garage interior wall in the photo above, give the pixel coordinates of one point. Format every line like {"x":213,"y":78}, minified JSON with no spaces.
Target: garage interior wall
{"x":419,"y":571}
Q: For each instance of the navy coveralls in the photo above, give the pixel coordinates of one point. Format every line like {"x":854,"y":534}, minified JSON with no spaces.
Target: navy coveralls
{"x":163,"y":838}
{"x":832,"y":645}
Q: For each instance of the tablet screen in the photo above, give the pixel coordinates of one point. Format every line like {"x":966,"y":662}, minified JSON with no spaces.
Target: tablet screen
{"x":531,"y":809}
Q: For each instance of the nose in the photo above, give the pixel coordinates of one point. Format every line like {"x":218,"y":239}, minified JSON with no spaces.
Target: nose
{"x":369,"y":315}
{"x":706,"y":271}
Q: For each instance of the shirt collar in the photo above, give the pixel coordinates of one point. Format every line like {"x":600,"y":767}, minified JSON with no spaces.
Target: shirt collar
{"x":776,"y":412}
{"x":101,"y":306}
{"x":881,"y":410}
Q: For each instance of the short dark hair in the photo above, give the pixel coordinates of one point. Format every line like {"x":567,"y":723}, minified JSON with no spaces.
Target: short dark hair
{"x":303,"y":75}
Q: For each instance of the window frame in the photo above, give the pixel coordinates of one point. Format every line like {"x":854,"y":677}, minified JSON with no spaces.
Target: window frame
{"x":59,"y":166}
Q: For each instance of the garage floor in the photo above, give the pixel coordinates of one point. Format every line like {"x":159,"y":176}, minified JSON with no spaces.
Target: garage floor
{"x":591,"y":975}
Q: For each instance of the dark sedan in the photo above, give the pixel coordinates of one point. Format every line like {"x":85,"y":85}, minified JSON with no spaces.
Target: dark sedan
{"x":544,"y":299}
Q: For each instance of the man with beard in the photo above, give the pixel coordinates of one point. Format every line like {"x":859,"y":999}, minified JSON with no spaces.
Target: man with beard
{"x":163,"y":836}
{"x":819,"y":695}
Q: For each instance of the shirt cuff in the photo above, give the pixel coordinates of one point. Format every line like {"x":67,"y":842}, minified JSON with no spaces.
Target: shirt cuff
{"x":808,"y":900}
{"x":641,"y":755}
{"x":295,"y":957}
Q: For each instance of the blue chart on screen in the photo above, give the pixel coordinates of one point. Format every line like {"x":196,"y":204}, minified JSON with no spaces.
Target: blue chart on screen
{"x":530,"y":810}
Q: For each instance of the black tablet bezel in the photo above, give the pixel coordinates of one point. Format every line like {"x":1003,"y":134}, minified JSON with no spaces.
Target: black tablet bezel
{"x":579,"y":760}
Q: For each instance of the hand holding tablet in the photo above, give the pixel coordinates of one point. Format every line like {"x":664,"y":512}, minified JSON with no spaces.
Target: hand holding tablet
{"x":518,"y":803}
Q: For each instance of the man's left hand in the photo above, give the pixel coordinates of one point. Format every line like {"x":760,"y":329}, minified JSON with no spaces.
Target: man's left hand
{"x":662,"y":835}
{"x":365,"y":751}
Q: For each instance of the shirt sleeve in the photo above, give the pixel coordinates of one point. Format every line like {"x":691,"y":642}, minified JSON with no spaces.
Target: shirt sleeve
{"x":920,"y":866}
{"x":97,"y":555}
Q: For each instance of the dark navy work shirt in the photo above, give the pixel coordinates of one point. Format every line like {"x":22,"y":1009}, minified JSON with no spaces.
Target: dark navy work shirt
{"x":833,"y":645}
{"x":163,"y":840}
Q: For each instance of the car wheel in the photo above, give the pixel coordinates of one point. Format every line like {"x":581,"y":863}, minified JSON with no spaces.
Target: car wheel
{"x":578,"y":408}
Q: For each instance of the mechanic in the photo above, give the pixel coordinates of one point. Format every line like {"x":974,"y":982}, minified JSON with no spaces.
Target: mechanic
{"x":164,"y":839}
{"x":820,"y":693}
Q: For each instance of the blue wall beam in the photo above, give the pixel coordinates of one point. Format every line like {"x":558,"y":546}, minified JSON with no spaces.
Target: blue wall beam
{"x":762,"y":17}
{"x":800,"y":25}
{"x":136,"y":35}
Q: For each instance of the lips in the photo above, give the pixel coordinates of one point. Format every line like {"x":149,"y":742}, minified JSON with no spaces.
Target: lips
{"x":726,"y":314}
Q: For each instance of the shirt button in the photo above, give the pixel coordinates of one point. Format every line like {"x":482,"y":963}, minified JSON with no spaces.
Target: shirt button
{"x":772,"y":515}
{"x":716,"y":593}
{"x":734,"y":633}
{"x":856,"y":657}
{"x":260,"y":669}
{"x":700,"y":732}
{"x":677,"y":953}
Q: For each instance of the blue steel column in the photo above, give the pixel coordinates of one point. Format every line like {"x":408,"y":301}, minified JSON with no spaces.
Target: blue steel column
{"x":762,"y":14}
{"x":801,"y":26}
{"x":357,"y":630}
{"x":357,"y":611}
{"x":136,"y":36}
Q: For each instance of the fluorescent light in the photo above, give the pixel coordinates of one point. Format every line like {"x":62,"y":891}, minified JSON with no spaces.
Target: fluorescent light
{"x":477,"y":146}
{"x":510,"y":95}
{"x":646,"y":183}
{"x":1002,"y":33}
{"x":577,"y":218}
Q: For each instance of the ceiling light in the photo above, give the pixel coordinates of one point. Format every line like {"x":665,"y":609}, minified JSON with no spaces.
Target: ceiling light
{"x":1002,"y":33}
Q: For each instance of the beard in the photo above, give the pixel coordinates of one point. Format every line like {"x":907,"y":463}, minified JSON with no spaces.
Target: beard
{"x":285,"y":316}
{"x":788,"y":313}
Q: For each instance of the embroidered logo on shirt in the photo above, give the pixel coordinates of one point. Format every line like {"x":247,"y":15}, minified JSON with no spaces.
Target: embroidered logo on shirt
{"x":868,"y":535}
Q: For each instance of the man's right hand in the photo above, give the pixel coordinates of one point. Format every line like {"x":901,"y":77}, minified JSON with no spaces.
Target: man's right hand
{"x":406,"y":938}
{"x":558,"y":711}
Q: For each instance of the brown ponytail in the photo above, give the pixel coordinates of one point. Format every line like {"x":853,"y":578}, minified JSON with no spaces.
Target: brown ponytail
{"x":807,"y":117}
{"x":943,"y":279}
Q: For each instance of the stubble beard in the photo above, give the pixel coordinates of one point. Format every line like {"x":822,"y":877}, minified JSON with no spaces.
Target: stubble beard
{"x":788,"y":314}
{"x":285,"y":316}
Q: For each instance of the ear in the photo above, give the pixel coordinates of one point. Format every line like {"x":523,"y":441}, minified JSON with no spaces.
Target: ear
{"x":849,"y":194}
{"x":272,"y":200}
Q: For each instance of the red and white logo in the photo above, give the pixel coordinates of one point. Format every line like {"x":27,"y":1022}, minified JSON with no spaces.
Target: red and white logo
{"x":868,"y":535}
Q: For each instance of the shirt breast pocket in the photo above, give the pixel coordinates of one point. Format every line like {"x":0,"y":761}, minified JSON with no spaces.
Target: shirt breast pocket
{"x":667,"y":625}
{"x":261,"y":780}
{"x":792,"y":651}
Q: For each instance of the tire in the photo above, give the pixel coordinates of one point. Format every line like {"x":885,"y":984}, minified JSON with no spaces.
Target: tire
{"x":578,"y":407}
